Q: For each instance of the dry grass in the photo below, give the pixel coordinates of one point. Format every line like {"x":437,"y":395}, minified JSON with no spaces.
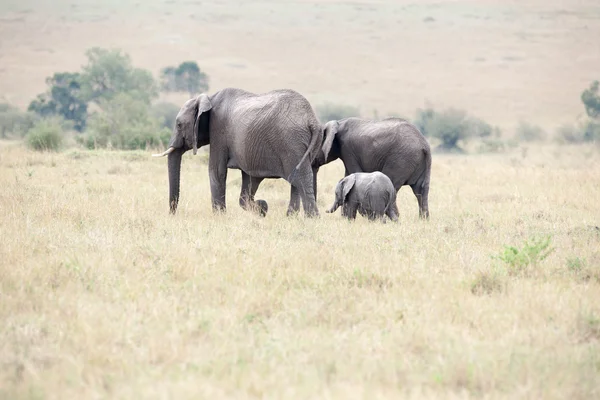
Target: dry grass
{"x":103,"y":294}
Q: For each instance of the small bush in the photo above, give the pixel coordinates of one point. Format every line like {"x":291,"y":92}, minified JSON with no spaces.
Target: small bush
{"x":452,"y":127}
{"x":529,"y":133}
{"x":14,"y":122}
{"x":124,"y":122}
{"x":586,"y":131}
{"x":570,"y":133}
{"x":46,"y":135}
{"x":531,"y":254}
{"x":329,"y":112}
{"x":591,"y":131}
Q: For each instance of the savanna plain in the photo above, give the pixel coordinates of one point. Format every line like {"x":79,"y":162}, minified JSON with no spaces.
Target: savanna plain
{"x":104,"y":294}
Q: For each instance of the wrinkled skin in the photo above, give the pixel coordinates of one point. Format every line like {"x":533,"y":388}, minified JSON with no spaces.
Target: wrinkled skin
{"x":272,"y":135}
{"x":392,"y":146}
{"x":371,"y":194}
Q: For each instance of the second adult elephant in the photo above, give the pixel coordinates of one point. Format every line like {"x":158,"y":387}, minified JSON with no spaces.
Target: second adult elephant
{"x":392,"y":146}
{"x":271,"y":135}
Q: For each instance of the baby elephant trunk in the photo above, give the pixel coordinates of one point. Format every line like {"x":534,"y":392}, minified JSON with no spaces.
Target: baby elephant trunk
{"x":334,"y":207}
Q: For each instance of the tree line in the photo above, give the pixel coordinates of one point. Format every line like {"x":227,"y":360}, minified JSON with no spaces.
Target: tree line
{"x":111,"y":103}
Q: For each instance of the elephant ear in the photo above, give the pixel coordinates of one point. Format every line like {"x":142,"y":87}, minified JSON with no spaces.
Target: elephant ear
{"x":331,"y":129}
{"x":204,"y":105}
{"x":348,"y":185}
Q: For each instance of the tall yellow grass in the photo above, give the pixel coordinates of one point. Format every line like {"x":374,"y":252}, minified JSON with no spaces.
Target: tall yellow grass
{"x":104,"y":294}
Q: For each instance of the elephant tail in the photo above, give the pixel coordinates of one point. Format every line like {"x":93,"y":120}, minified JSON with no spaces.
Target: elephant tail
{"x":311,"y":151}
{"x":427,"y":173}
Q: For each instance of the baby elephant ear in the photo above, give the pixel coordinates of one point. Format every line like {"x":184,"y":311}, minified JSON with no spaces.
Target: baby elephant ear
{"x":204,"y":105}
{"x":348,"y":184}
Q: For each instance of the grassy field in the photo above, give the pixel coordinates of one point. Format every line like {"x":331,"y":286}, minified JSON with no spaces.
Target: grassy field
{"x":502,"y":60}
{"x":103,"y":294}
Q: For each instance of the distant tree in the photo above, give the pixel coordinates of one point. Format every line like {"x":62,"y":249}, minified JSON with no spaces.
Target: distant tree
{"x":109,"y":72}
{"x":63,"y":98}
{"x":187,"y":77}
{"x":125,"y":122}
{"x":168,"y":78}
{"x":591,"y":100}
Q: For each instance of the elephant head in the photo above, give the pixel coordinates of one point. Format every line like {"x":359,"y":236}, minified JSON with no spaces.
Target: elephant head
{"x":341,"y":192}
{"x":190,"y":132}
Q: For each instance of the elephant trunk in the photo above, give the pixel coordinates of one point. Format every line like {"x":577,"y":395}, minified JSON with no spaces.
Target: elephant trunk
{"x":174,"y":162}
{"x":333,"y":207}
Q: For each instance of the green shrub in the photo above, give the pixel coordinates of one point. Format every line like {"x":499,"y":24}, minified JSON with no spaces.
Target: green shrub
{"x":586,"y":131}
{"x":591,"y":131}
{"x":591,"y":100}
{"x":14,"y":122}
{"x":329,"y":112}
{"x":529,"y":133}
{"x":452,"y":127}
{"x":124,"y":122}
{"x":569,"y":133}
{"x":46,"y":135}
{"x":531,"y":254}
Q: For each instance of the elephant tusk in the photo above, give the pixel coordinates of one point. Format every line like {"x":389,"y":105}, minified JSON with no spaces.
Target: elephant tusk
{"x":168,"y":151}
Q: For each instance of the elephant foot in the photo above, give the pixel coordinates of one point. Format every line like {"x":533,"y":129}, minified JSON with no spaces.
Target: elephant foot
{"x":263,"y":207}
{"x":313,"y":214}
{"x":291,"y":212}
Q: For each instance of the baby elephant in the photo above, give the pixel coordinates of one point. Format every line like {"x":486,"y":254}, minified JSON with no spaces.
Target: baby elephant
{"x":372,"y":194}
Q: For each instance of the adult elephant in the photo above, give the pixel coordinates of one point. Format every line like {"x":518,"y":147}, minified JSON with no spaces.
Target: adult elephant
{"x":392,"y":146}
{"x":270,"y":135}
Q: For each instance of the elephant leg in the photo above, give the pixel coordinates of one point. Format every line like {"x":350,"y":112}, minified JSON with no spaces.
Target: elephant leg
{"x":392,"y":214}
{"x":315,"y":171}
{"x":307,"y":193}
{"x":304,"y":186}
{"x":349,"y":210}
{"x":393,"y":208}
{"x":294,"y":205}
{"x":422,"y":194}
{"x":249,"y":188}
{"x":217,"y":173}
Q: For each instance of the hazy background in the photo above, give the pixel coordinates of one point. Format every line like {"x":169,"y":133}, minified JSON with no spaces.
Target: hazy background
{"x":500,"y":60}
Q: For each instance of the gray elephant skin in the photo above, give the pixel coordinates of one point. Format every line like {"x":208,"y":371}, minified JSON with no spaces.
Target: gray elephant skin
{"x":270,"y":135}
{"x":392,"y":146}
{"x":371,"y":194}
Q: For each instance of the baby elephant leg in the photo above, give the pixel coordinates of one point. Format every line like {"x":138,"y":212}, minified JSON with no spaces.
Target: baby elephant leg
{"x":349,"y":210}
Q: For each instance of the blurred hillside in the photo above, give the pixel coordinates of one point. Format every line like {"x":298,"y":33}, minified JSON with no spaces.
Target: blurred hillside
{"x":501,"y":60}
